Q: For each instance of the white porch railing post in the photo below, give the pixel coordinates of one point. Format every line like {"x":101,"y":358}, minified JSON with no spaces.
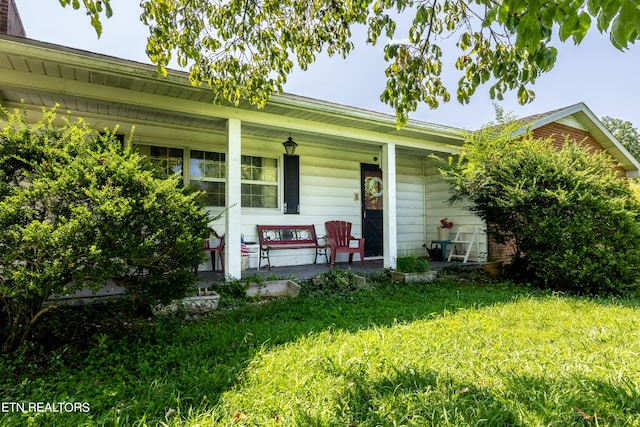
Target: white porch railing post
{"x":390,"y":234}
{"x":233,"y":222}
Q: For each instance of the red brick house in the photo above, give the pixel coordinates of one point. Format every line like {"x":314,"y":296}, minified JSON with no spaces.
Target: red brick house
{"x":579,"y":124}
{"x":10,"y":22}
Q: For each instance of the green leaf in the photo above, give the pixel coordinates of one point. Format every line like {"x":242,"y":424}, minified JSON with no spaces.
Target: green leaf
{"x":624,"y":25}
{"x":608,"y":11}
{"x":108,"y":10}
{"x":570,"y":25}
{"x":95,"y":22}
{"x":491,"y":16}
{"x":583,"y":27}
{"x":465,"y":41}
{"x":244,"y":51}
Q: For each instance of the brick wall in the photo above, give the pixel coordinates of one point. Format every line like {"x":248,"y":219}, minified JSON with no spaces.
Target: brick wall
{"x":10,"y":22}
{"x":557,"y":132}
{"x":500,"y":252}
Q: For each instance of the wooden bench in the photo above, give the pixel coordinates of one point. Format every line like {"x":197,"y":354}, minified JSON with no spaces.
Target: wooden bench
{"x":275,"y":237}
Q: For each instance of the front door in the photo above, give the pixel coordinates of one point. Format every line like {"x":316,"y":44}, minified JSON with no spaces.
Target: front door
{"x":372,"y":193}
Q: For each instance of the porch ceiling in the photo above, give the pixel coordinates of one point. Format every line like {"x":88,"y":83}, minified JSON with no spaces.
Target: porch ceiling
{"x":95,"y":86}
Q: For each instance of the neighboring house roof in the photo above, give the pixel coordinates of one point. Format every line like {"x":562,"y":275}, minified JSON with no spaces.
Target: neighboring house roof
{"x":10,"y":22}
{"x":581,"y":117}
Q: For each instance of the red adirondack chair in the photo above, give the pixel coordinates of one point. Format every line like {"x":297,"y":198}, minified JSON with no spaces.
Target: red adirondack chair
{"x":213,"y":250}
{"x":340,"y":240}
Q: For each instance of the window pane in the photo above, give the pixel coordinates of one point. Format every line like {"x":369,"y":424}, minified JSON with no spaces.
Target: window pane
{"x":167,"y":160}
{"x":259,"y":169}
{"x":174,"y":165}
{"x":207,"y":172}
{"x":212,"y":169}
{"x":158,"y":152}
{"x":174,"y":153}
{"x":195,"y":168}
{"x":262,"y":174}
{"x":270,"y":174}
{"x":214,"y":192}
{"x":245,"y":200}
{"x":206,"y":164}
{"x":270,"y":196}
{"x":245,"y":168}
{"x":259,"y":196}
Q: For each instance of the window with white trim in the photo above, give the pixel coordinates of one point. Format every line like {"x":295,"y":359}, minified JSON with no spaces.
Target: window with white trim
{"x":259,"y":179}
{"x":207,"y":171}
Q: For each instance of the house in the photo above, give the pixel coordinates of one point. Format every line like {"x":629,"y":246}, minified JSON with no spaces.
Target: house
{"x":10,"y":22}
{"x":578,"y":124}
{"x":236,"y":154}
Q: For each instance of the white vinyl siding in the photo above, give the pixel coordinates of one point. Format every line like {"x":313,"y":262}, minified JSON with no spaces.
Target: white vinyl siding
{"x":410,"y":206}
{"x":437,"y":207}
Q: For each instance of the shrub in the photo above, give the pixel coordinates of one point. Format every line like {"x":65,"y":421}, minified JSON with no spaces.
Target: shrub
{"x":333,"y":282}
{"x":77,"y":208}
{"x":571,"y":217}
{"x":410,"y":263}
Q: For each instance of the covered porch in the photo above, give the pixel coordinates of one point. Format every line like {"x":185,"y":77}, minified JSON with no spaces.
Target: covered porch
{"x":235,"y":154}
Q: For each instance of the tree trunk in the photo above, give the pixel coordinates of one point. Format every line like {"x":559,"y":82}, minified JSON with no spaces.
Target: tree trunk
{"x":21,"y":324}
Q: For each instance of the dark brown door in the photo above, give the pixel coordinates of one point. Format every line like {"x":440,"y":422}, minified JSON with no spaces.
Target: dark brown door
{"x":372,"y":212}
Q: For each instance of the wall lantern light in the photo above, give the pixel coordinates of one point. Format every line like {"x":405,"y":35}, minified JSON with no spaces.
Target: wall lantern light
{"x":290,"y":146}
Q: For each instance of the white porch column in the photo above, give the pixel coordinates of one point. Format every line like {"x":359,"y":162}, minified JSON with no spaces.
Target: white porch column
{"x":233,"y":216}
{"x":390,"y":234}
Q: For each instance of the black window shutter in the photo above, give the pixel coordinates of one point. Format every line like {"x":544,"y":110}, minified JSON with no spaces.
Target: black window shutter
{"x":291,"y":184}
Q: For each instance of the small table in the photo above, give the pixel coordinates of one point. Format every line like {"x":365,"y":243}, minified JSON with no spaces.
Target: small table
{"x":443,"y":245}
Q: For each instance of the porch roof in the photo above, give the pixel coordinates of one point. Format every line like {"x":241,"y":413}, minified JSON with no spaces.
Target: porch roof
{"x":95,"y":85}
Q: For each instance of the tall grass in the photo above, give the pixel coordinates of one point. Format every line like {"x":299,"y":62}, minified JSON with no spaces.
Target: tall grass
{"x":444,"y":354}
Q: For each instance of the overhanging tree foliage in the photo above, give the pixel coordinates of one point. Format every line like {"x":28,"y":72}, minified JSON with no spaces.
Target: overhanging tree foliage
{"x":571,"y":218}
{"x":244,"y":49}
{"x":625,"y":133}
{"x":76,"y":209}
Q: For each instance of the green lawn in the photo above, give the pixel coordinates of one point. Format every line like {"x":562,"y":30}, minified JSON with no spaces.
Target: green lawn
{"x":450,"y":353}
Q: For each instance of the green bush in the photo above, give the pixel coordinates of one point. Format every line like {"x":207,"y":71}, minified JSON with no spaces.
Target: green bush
{"x":572,"y":219}
{"x":333,"y":282}
{"x":410,"y":263}
{"x":77,"y":208}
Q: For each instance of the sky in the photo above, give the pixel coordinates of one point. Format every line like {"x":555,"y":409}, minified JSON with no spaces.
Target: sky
{"x":594,"y":72}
